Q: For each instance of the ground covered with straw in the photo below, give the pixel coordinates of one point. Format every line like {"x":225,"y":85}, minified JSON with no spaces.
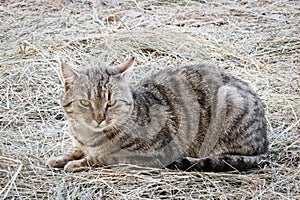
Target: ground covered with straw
{"x":257,"y":40}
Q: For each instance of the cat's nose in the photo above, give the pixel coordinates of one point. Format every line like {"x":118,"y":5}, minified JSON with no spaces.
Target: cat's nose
{"x":100,"y":117}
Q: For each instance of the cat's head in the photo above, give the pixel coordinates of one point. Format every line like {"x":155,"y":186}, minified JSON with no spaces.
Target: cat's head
{"x":98,"y":98}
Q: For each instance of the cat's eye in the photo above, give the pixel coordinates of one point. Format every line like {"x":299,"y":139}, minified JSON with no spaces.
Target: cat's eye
{"x":110,"y":103}
{"x":84,"y":102}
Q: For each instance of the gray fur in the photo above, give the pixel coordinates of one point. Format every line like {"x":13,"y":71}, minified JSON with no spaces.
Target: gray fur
{"x":190,"y":118}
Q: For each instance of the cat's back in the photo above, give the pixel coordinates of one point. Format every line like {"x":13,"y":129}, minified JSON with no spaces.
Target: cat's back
{"x":198,"y":78}
{"x":201,"y":69}
{"x":176,"y":75}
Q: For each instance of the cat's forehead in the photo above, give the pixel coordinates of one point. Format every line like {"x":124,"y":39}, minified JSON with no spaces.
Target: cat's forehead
{"x":93,"y":82}
{"x":95,"y":77}
{"x":95,"y":74}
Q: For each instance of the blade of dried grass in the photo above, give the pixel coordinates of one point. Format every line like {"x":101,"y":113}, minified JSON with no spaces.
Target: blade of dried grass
{"x":4,"y":192}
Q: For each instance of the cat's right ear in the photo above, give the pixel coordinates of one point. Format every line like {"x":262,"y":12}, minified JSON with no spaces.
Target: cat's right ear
{"x":122,"y":68}
{"x":68,"y":75}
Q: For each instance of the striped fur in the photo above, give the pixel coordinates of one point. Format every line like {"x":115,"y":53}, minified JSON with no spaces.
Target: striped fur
{"x":190,"y":118}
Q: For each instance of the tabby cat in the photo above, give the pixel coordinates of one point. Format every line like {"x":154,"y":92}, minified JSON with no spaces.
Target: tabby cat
{"x":189,"y":118}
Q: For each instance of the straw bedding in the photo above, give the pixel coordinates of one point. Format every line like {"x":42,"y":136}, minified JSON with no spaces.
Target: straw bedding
{"x":257,"y":40}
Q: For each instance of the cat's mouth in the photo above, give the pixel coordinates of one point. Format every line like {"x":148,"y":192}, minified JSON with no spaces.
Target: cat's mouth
{"x":104,"y":124}
{"x":97,"y":126}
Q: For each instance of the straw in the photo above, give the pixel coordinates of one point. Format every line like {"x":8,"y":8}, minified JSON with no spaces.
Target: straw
{"x":255,"y":40}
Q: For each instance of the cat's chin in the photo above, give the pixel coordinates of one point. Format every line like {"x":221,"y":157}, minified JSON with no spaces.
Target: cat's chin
{"x":98,"y":129}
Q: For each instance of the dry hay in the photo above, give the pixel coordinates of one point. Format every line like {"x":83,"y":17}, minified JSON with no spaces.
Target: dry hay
{"x":257,"y":40}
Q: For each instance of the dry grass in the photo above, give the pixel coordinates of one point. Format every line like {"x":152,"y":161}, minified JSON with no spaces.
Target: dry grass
{"x":257,"y":40}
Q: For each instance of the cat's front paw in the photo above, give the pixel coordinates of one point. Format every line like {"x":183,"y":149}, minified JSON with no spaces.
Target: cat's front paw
{"x":56,"y":162}
{"x":76,"y":165}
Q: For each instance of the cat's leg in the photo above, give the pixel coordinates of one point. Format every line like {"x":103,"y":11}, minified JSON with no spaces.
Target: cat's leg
{"x":217,"y":163}
{"x":61,"y":161}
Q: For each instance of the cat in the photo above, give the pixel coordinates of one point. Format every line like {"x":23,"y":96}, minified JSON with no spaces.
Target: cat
{"x":193,"y":118}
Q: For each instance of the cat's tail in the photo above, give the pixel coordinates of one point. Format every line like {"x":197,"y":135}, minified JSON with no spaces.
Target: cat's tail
{"x":220,"y":163}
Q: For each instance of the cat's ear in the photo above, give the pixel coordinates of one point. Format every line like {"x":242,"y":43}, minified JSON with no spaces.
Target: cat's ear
{"x":68,"y":75}
{"x":122,"y":68}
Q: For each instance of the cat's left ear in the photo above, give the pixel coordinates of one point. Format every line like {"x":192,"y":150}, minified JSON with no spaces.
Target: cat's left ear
{"x":122,"y":68}
{"x":68,"y":75}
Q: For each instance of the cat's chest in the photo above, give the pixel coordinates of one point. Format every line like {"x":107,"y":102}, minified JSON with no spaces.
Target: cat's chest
{"x":90,"y":141}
